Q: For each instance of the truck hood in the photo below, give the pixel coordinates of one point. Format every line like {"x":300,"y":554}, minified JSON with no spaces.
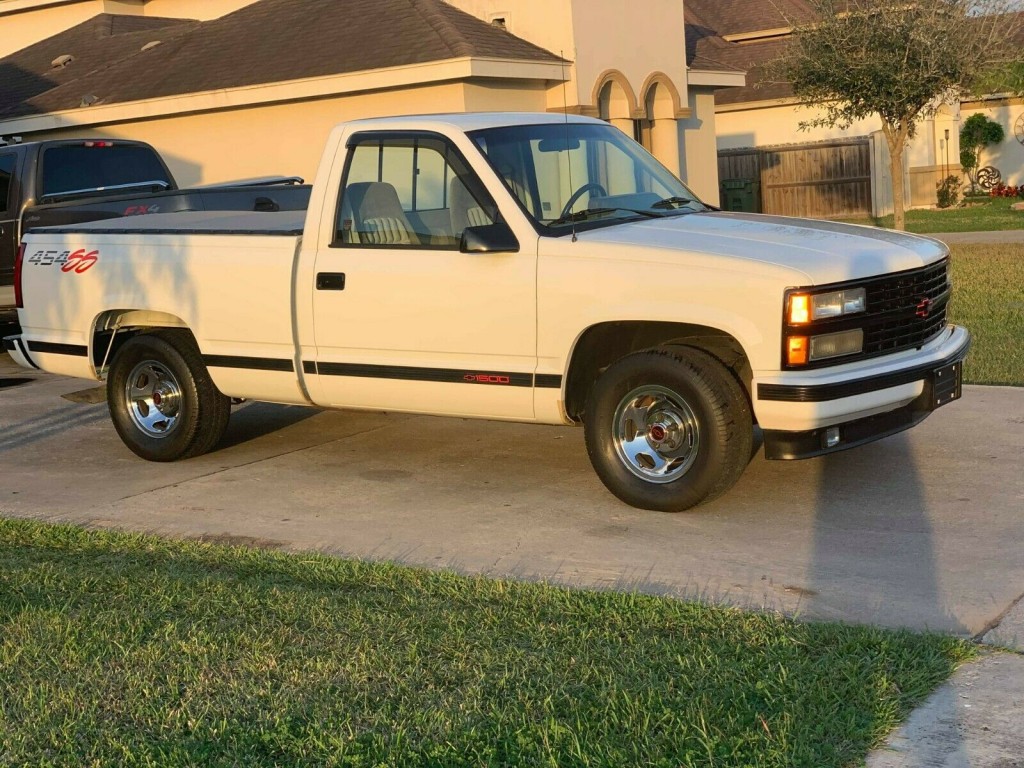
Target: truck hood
{"x":826,"y":252}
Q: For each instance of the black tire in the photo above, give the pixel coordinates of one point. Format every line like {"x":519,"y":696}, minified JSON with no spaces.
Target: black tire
{"x":162,"y":401}
{"x":697,"y":434}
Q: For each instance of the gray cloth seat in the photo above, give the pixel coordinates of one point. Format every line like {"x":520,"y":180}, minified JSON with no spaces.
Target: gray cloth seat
{"x":463,"y":208}
{"x":378,"y":215}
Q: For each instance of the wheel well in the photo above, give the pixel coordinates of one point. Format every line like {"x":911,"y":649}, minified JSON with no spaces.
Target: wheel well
{"x":601,"y":345}
{"x":116,"y":326}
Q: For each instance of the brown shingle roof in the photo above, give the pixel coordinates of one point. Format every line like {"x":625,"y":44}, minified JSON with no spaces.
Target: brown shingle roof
{"x":707,"y":21}
{"x":742,"y":17}
{"x":266,"y":42}
{"x":28,"y":73}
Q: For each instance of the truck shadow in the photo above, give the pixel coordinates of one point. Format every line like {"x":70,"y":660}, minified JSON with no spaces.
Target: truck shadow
{"x":253,"y":420}
{"x":873,"y":530}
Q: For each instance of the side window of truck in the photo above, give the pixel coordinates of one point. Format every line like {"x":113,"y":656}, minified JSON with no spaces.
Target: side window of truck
{"x":6,"y":180}
{"x":409,"y":191}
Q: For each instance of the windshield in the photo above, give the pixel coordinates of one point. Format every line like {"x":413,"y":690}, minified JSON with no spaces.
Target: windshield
{"x":567,"y":174}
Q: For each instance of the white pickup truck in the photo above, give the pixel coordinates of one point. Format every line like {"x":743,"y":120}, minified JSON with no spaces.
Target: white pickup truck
{"x":519,"y":267}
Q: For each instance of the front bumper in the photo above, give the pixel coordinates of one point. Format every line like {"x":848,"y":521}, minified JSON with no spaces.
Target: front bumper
{"x":828,"y":413}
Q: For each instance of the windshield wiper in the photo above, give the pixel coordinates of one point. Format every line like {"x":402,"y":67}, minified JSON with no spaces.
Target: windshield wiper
{"x":589,"y":213}
{"x":675,"y":203}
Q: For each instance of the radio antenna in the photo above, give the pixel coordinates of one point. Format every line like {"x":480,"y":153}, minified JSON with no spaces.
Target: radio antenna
{"x":568,"y":154}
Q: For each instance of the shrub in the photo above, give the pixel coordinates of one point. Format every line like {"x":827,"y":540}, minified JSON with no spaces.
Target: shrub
{"x":1003,"y":190}
{"x":948,"y":191}
{"x":978,"y":132}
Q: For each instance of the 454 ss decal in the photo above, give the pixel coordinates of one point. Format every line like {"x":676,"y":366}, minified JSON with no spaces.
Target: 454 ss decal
{"x":69,"y":261}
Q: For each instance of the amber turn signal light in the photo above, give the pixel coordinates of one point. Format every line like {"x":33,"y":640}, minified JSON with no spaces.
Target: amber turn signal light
{"x":799,"y":309}
{"x":797,"y":350}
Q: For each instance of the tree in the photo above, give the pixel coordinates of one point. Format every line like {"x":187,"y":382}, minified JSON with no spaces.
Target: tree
{"x":977,"y":132}
{"x":899,"y":60}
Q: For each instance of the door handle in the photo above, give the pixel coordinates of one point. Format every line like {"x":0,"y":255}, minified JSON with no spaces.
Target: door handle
{"x":330,"y":281}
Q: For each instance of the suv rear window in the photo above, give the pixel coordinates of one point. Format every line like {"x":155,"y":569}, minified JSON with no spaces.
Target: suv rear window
{"x":73,"y":167}
{"x":6,"y":175}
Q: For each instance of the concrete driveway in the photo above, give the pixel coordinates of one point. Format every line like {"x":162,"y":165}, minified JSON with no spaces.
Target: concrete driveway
{"x":924,"y":529}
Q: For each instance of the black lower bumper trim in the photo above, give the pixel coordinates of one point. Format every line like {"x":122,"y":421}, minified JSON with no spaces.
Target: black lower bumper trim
{"x":786,"y":446}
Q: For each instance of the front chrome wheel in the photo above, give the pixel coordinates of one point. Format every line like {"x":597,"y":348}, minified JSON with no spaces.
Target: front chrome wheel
{"x":656,"y":434}
{"x":668,"y":428}
{"x":153,"y":399}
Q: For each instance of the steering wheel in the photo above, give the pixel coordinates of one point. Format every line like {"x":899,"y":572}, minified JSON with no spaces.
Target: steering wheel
{"x":575,"y":196}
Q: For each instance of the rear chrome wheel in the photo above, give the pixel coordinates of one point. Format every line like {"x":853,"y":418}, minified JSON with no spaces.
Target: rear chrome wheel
{"x":162,"y":401}
{"x":153,"y":399}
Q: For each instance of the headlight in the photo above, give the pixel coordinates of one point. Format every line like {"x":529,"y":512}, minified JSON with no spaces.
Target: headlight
{"x":836,"y":344}
{"x":807,"y":307}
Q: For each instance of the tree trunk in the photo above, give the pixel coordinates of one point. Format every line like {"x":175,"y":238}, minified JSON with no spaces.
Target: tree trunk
{"x":898,"y":190}
{"x":896,"y":137}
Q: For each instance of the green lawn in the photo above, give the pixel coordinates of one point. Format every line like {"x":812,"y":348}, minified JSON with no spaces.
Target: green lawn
{"x":988,"y":298}
{"x":986,"y":214}
{"x":119,"y":649}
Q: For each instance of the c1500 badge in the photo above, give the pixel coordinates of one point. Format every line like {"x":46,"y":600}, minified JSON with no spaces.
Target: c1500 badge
{"x":69,"y":261}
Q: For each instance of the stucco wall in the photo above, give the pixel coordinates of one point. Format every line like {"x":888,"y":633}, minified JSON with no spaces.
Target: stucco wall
{"x":598,"y":35}
{"x":1007,"y":156}
{"x":280,"y":139}
{"x":22,"y":29}
{"x":616,"y":34}
{"x":698,"y":155}
{"x":547,"y":23}
{"x":202,"y":10}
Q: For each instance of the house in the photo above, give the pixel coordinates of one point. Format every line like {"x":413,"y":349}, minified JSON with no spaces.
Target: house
{"x":849,"y":167}
{"x":238,"y":88}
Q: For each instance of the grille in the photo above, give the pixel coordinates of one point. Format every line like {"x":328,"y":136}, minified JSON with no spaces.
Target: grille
{"x":905,"y":310}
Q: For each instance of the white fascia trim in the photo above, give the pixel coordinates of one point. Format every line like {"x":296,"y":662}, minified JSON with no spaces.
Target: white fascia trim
{"x":716,"y":79}
{"x":433,"y":73}
{"x":766,"y":104}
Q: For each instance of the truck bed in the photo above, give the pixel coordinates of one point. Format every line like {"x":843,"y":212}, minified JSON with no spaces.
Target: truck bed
{"x":194,"y":223}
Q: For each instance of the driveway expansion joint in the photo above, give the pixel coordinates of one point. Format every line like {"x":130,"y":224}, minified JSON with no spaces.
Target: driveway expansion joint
{"x":252,"y":463}
{"x":994,"y":624}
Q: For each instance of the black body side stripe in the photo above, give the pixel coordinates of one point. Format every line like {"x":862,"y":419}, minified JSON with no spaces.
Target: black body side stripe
{"x":443,"y":375}
{"x":251,"y":363}
{"x":73,"y":350}
{"x":17,"y":344}
{"x":548,"y":381}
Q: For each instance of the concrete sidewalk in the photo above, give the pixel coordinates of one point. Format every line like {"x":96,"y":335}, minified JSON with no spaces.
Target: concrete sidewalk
{"x":956,"y":238}
{"x":921,"y":530}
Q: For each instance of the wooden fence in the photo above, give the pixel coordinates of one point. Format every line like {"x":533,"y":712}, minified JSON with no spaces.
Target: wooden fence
{"x":821,"y":180}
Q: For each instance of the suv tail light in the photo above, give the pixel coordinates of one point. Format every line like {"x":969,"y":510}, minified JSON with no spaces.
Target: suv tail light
{"x":18,"y":299}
